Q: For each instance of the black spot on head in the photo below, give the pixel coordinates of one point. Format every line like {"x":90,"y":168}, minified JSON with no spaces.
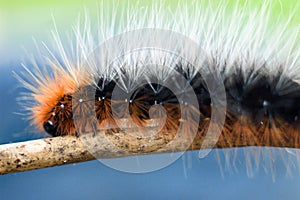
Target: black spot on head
{"x":50,"y":128}
{"x":59,"y":117}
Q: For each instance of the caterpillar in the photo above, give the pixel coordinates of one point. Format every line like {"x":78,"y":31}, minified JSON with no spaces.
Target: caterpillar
{"x":74,"y":87}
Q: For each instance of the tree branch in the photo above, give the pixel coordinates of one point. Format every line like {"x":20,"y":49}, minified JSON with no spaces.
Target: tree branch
{"x":48,"y":152}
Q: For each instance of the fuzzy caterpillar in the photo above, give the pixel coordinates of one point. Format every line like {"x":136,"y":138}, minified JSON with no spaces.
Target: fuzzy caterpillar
{"x":258,"y":62}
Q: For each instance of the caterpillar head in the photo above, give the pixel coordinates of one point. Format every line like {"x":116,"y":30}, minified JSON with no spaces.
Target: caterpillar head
{"x":54,"y":105}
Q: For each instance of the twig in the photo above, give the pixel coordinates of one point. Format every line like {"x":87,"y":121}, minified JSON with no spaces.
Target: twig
{"x":48,"y":152}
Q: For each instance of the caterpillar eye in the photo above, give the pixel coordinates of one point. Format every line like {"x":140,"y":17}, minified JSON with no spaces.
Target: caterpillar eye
{"x":50,"y":127}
